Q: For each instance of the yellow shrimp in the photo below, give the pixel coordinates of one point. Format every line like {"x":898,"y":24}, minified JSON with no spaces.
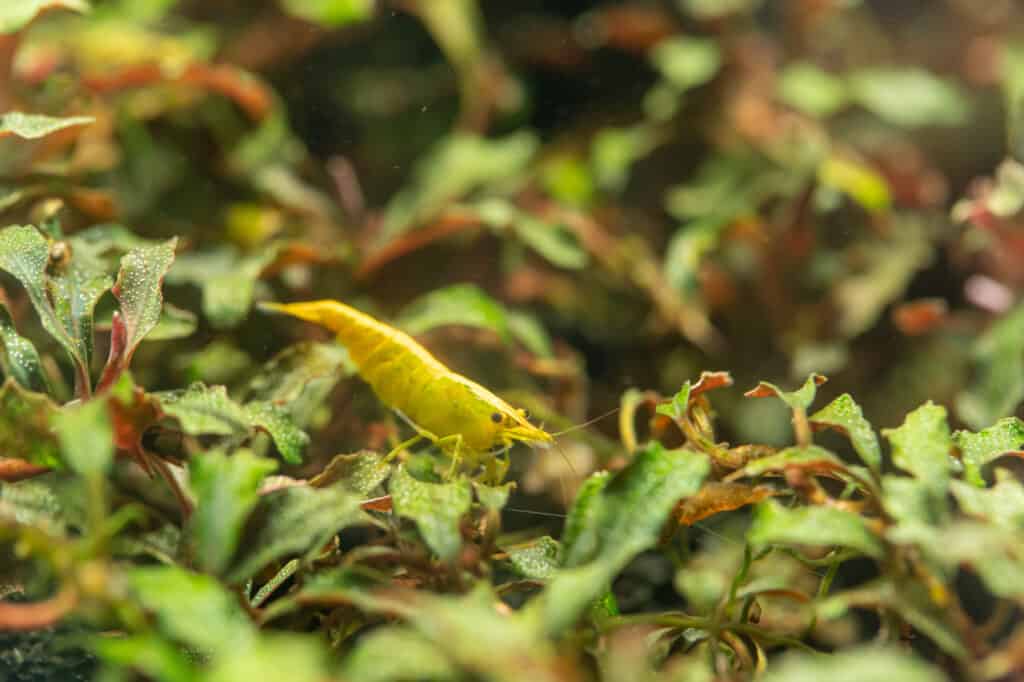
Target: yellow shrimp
{"x":457,"y":414}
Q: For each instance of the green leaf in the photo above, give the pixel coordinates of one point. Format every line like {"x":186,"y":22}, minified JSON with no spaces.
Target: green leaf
{"x":20,"y":359}
{"x":775,"y":524}
{"x":551,"y":241}
{"x":174,"y":323}
{"x":226,"y":491}
{"x":538,"y":561}
{"x":687,"y":62}
{"x":208,"y":410}
{"x":804,"y":86}
{"x":437,"y":509}
{"x":148,"y":654}
{"x":75,"y":289}
{"x":86,"y":437}
{"x":493,"y":497}
{"x":799,"y":399}
{"x":618,"y":518}
{"x":25,"y":431}
{"x":275,"y":656}
{"x":330,"y":13}
{"x":139,"y":291}
{"x":978,"y":449}
{"x":295,"y":521}
{"x":810,"y":457}
{"x":676,"y":408}
{"x":922,"y":445}
{"x":853,"y":665}
{"x":909,"y":97}
{"x":909,"y":500}
{"x":35,"y":126}
{"x":845,"y":415}
{"x":615,"y":150}
{"x":359,"y":473}
{"x":1002,"y":504}
{"x":226,"y":278}
{"x":192,"y":608}
{"x":857,"y":180}
{"x":374,"y":660}
{"x":15,"y":15}
{"x":999,"y":386}
{"x":458,"y":165}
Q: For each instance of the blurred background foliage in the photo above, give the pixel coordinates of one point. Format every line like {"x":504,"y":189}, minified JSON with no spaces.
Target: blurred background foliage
{"x":581,"y":204}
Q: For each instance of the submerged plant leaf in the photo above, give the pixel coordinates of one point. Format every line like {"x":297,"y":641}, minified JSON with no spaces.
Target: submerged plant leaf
{"x":816,"y":526}
{"x":909,"y":97}
{"x":687,"y":62}
{"x":374,"y":660}
{"x":20,"y":359}
{"x":226,"y":278}
{"x":845,"y":415}
{"x":978,"y":449}
{"x":854,"y":665}
{"x":809,"y":458}
{"x":716,"y":497}
{"x":330,"y":13}
{"x":1002,"y":504}
{"x":225,"y":489}
{"x":538,"y":561}
{"x":437,"y":509}
{"x":33,"y":126}
{"x":25,"y":431}
{"x":922,"y":445}
{"x":86,"y":437}
{"x":799,"y":399}
{"x":999,"y":386}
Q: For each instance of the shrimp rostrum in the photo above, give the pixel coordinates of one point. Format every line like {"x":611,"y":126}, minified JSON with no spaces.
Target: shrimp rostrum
{"x":461,"y":417}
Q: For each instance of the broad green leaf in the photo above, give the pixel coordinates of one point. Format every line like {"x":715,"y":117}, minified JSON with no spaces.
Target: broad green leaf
{"x":208,"y":410}
{"x":687,"y":62}
{"x":622,"y":516}
{"x":528,"y":330}
{"x":799,"y":399}
{"x":437,"y":509}
{"x":290,"y":374}
{"x":359,"y":473}
{"x":538,"y":561}
{"x":853,"y":665}
{"x":174,"y":323}
{"x":86,"y":437}
{"x":775,"y":524}
{"x":1002,"y":504}
{"x":295,"y":521}
{"x":858,"y":181}
{"x":804,"y":86}
{"x":35,"y":126}
{"x":978,"y":449}
{"x":192,"y":608}
{"x":225,"y":489}
{"x":25,"y":431}
{"x":810,"y":457}
{"x":331,"y":13}
{"x":25,"y":254}
{"x":493,"y":497}
{"x":909,"y":500}
{"x":459,"y":164}
{"x":149,"y":654}
{"x":909,"y":97}
{"x":374,"y":660}
{"x":226,"y":278}
{"x":845,"y":415}
{"x":16,"y":14}
{"x":676,"y":407}
{"x":999,"y":386}
{"x":19,"y":357}
{"x":273,"y":656}
{"x":922,"y":445}
{"x":139,"y":291}
{"x":75,"y":289}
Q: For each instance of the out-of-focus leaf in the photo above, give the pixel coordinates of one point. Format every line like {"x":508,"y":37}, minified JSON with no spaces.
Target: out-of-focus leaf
{"x":1002,"y":504}
{"x":909,"y":97}
{"x":436,"y":508}
{"x":148,"y":654}
{"x":208,"y":410}
{"x":799,"y":399}
{"x":922,"y":445}
{"x":34,"y":126}
{"x":978,"y":449}
{"x":25,"y":425}
{"x":538,"y":561}
{"x":289,"y":374}
{"x":715,"y":497}
{"x":862,"y":296}
{"x":332,"y":13}
{"x":294,"y":521}
{"x":845,"y":415}
{"x":174,"y":323}
{"x":227,"y":280}
{"x":86,"y":437}
{"x":374,"y":660}
{"x":854,"y":665}
{"x":493,"y":497}
{"x":804,"y":86}
{"x":459,"y":165}
{"x":710,"y":10}
{"x":809,"y":458}
{"x":686,"y":251}
{"x":687,"y":62}
{"x":677,"y":406}
{"x":908,"y":500}
{"x":615,"y":150}
{"x":271,"y":657}
{"x":192,"y":608}
{"x":1013,"y":91}
{"x":20,"y":359}
{"x":817,"y":526}
{"x":857,"y":180}
{"x":999,"y":386}
{"x":618,"y":518}
{"x":551,"y":240}
{"x":528,"y":330}
{"x":225,"y":489}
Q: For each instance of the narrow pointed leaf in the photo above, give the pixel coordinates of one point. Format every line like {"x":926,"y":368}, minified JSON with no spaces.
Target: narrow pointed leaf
{"x":845,"y":415}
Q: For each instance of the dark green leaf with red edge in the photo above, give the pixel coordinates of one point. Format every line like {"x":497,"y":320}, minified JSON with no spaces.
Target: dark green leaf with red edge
{"x":798,"y":399}
{"x":19,"y":358}
{"x":978,"y":449}
{"x":226,"y":491}
{"x":75,"y":288}
{"x":845,"y":415}
{"x":922,"y":446}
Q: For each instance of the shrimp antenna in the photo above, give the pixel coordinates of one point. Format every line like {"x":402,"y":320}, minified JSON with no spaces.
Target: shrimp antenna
{"x":586,"y":423}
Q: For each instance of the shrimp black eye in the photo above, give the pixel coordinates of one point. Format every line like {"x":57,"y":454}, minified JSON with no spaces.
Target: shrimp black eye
{"x":496,"y":417}
{"x":525,"y":413}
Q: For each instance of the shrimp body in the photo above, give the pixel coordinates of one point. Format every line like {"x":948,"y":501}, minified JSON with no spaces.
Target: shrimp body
{"x":442,"y":404}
